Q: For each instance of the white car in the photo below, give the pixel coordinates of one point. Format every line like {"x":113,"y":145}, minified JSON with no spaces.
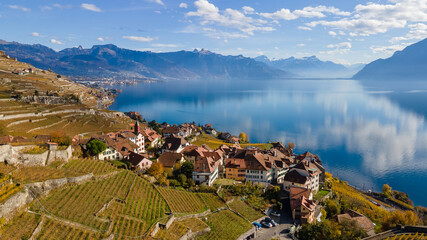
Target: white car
{"x":274,"y":213}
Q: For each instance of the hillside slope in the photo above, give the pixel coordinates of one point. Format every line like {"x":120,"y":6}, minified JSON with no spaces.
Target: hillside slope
{"x":309,"y":67}
{"x":408,"y":64}
{"x":112,"y":62}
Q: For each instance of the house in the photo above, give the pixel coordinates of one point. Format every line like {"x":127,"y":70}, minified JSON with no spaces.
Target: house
{"x":235,"y":169}
{"x":302,"y":207}
{"x":233,"y":139}
{"x":314,"y":172}
{"x":139,"y":162}
{"x":257,"y":169}
{"x":314,"y":160}
{"x":296,"y":178}
{"x":110,"y":153}
{"x":151,"y":137}
{"x":365,"y":223}
{"x":209,"y":130}
{"x":116,"y":148}
{"x":205,"y":171}
{"x":135,"y":136}
{"x":169,"y":131}
{"x":169,"y":161}
{"x":174,"y":144}
{"x":191,"y":152}
{"x":279,"y":170}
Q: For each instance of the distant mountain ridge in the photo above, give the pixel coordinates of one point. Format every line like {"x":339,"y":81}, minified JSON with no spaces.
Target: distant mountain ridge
{"x":311,"y":67}
{"x":408,"y":64}
{"x":110,"y":61}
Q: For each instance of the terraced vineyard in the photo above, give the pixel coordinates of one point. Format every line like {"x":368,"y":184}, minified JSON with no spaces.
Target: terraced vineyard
{"x":124,"y":204}
{"x":212,"y":201}
{"x":5,"y":168}
{"x":90,"y":166}
{"x":415,"y":236}
{"x":182,"y":201}
{"x":174,"y":232}
{"x":53,"y":229}
{"x":8,"y":188}
{"x":245,"y":210}
{"x":226,"y":225}
{"x":195,"y":224}
{"x":21,"y":227}
{"x":143,"y":207}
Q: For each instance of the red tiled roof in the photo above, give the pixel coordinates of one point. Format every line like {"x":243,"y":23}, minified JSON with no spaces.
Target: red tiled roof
{"x":235,"y":163}
{"x":169,"y":159}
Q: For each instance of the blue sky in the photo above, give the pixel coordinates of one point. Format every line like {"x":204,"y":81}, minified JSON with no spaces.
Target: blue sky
{"x":344,"y":31}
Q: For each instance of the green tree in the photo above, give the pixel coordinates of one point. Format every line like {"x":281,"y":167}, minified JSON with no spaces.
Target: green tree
{"x":332,"y":208}
{"x":187,"y":169}
{"x":323,"y":230}
{"x":182,"y":179}
{"x":96,"y":147}
{"x":352,"y":230}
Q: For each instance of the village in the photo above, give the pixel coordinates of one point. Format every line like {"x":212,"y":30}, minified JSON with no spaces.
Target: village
{"x":300,"y":180}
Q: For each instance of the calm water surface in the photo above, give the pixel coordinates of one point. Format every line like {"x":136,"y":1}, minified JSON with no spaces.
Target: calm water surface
{"x":366,"y":134}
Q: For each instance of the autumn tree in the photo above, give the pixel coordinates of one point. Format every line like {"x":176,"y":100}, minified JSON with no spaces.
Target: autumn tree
{"x":386,"y":190}
{"x":61,"y":138}
{"x":291,"y":145}
{"x":156,"y":170}
{"x":243,"y":137}
{"x":399,"y":218}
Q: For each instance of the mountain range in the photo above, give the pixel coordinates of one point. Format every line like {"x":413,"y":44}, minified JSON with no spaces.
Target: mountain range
{"x":408,"y":64}
{"x":110,"y":61}
{"x":311,"y":67}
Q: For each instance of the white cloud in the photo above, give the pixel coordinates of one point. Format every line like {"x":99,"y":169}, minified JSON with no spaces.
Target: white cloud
{"x":139,"y":39}
{"x":332,"y":33}
{"x":231,"y":18}
{"x":164,"y":45}
{"x":282,"y":14}
{"x":101,"y":39}
{"x":339,"y":48}
{"x":416,"y":32}
{"x":54,"y":41}
{"x":300,"y":44}
{"x":183,"y":5}
{"x":306,"y":12}
{"x":157,"y":1}
{"x":90,"y":7}
{"x":373,"y":18}
{"x":276,"y":48}
{"x":21,"y":8}
{"x":248,"y":10}
{"x":387,"y":49}
{"x":304,"y":28}
{"x":35,"y":34}
{"x":46,"y":8}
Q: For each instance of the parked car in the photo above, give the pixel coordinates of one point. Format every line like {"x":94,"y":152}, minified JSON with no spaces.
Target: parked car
{"x":266,"y":224}
{"x":274,"y":213}
{"x":257,"y":224}
{"x":375,"y":203}
{"x":271,"y":221}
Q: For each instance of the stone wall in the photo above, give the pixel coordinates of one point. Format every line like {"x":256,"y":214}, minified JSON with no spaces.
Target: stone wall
{"x":14,"y":203}
{"x":14,"y":155}
{"x":43,"y":188}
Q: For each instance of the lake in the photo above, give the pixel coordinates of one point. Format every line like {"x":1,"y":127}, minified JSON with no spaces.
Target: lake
{"x":366,"y":134}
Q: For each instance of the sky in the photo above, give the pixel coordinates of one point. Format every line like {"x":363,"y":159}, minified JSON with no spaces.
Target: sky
{"x":343,"y":31}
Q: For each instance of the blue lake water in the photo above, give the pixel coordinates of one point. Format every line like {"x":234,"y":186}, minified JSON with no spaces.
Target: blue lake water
{"x":368,"y":134}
